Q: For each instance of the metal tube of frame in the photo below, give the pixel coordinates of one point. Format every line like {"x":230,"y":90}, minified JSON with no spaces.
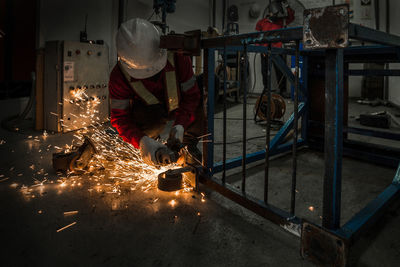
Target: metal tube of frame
{"x":268,"y":130}
{"x":244,"y":86}
{"x":224,"y":122}
{"x":209,"y":70}
{"x":333,"y":138}
{"x":295,"y":135}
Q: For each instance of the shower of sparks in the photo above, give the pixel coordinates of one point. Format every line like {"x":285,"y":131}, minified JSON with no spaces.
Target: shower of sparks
{"x":65,"y":227}
{"x":117,"y":168}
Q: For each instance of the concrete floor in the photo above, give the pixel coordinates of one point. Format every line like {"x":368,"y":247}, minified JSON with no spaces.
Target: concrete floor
{"x":136,"y":228}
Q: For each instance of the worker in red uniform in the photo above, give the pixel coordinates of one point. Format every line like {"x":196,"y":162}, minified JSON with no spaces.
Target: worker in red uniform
{"x":150,"y":89}
{"x":274,"y":20}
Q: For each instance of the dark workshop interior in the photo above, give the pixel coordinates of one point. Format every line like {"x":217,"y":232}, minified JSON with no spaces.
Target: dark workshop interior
{"x":200,"y":133}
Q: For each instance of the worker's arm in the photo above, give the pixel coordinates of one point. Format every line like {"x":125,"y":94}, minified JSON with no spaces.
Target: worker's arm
{"x":121,"y":119}
{"x":190,"y":93}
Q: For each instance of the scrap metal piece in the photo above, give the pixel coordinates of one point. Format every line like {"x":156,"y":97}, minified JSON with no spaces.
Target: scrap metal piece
{"x":326,"y":27}
{"x":323,"y":247}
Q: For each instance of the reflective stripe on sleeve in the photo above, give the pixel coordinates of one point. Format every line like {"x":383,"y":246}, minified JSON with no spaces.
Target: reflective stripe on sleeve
{"x":119,"y":103}
{"x":188,"y":84}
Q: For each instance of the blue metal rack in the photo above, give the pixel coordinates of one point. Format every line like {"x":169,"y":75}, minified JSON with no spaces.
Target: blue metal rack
{"x":330,"y":240}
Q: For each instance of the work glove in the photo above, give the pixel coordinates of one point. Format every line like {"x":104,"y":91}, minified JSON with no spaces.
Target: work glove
{"x":177,"y":133}
{"x":285,"y":4}
{"x":148,"y":148}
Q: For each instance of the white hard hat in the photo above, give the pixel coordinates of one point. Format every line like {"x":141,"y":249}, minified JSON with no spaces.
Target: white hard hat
{"x":138,"y":48}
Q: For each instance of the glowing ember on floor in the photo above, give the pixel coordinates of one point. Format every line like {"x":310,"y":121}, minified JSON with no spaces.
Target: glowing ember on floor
{"x":172,"y":203}
{"x":65,"y":227}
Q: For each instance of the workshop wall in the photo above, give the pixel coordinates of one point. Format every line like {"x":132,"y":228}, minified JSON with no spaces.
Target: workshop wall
{"x":64,"y":19}
{"x":189,"y":15}
{"x":365,"y":15}
{"x":394,"y":82}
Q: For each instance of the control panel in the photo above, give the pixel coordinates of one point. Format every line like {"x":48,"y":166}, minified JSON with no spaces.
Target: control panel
{"x":76,"y":85}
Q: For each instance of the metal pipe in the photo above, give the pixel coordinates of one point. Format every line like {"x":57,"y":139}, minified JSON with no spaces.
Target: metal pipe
{"x":224,"y":122}
{"x":386,"y":86}
{"x":244,"y":118}
{"x":295,"y":135}
{"x":214,"y":15}
{"x":268,"y":130}
{"x":223,"y":15}
{"x":121,"y":12}
{"x":210,"y":12}
{"x":377,"y":15}
{"x":209,"y":74}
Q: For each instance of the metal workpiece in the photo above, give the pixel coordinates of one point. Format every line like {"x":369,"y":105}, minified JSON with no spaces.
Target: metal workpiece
{"x":326,"y":27}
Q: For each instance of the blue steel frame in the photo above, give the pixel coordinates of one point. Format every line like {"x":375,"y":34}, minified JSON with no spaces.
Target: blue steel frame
{"x":334,"y":63}
{"x":275,"y":147}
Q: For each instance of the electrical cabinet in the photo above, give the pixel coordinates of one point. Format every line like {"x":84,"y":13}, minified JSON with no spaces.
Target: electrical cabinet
{"x":75,"y":86}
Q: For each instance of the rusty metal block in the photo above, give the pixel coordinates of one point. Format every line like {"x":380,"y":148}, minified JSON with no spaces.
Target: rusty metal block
{"x":187,"y":43}
{"x":323,"y":247}
{"x":326,"y":27}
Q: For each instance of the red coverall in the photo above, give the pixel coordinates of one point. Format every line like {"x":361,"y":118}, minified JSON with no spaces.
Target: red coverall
{"x":120,"y":89}
{"x":267,"y":25}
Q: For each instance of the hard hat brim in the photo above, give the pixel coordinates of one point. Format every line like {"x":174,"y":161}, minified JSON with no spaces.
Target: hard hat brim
{"x":147,"y":72}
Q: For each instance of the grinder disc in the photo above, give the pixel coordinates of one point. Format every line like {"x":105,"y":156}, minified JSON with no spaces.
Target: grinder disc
{"x":170,"y":181}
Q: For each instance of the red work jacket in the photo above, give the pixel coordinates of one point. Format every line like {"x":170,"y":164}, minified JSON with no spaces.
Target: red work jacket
{"x":267,"y":25}
{"x":125,"y":97}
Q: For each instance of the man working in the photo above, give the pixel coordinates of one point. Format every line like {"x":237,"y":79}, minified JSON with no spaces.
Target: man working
{"x":151,"y":88}
{"x":274,"y":21}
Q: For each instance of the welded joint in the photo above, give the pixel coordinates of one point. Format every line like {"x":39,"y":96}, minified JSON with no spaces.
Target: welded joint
{"x":293,"y":228}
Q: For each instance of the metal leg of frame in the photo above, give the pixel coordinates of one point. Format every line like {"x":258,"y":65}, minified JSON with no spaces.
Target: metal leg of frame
{"x":304,"y":120}
{"x":333,"y":138}
{"x":268,"y":130}
{"x":209,"y":69}
{"x":224,"y":123}
{"x":244,"y":118}
{"x":295,"y":135}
